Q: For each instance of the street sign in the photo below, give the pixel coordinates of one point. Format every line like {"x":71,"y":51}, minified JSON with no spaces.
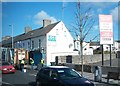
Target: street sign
{"x":106,"y":29}
{"x":51,"y":40}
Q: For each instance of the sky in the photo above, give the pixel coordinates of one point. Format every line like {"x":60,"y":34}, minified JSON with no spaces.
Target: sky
{"x":22,"y":14}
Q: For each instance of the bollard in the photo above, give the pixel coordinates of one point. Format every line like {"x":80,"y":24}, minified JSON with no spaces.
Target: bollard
{"x":98,"y":74}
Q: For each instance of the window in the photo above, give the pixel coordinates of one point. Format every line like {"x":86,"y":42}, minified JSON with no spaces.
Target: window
{"x":77,"y":45}
{"x":46,"y":72}
{"x":53,"y":74}
{"x":67,"y":73}
{"x":28,"y":45}
{"x":32,"y":44}
{"x":107,"y":48}
{"x":39,"y":43}
{"x":23,"y":44}
{"x":57,"y":33}
{"x":65,"y":33}
{"x":69,"y":59}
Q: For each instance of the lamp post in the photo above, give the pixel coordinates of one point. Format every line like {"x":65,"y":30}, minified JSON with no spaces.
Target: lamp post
{"x":12,"y":35}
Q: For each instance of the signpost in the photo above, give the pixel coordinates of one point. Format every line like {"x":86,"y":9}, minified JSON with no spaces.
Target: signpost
{"x":106,"y":29}
{"x":106,"y":32}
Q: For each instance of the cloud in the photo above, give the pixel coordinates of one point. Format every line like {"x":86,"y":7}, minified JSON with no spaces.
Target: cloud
{"x":114,"y":13}
{"x":40,"y":16}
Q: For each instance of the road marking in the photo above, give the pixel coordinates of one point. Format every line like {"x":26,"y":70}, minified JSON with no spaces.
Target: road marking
{"x":32,"y":74}
{"x":8,"y":83}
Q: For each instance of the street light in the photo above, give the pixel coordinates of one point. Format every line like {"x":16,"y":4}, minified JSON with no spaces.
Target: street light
{"x":12,"y":35}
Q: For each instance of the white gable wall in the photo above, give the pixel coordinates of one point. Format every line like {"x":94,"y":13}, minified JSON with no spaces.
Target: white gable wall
{"x":59,"y":42}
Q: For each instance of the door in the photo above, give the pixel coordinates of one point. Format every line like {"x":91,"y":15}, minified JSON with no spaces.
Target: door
{"x":69,"y":59}
{"x":56,"y":60}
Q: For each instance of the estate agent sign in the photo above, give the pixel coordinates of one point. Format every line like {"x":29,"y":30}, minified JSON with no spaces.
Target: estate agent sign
{"x":106,"y":29}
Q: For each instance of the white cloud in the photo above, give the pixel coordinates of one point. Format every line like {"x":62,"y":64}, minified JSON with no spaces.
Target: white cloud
{"x":40,"y":16}
{"x":114,"y":13}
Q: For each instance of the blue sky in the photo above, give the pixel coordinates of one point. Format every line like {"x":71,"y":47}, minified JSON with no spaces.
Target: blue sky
{"x":21,"y":14}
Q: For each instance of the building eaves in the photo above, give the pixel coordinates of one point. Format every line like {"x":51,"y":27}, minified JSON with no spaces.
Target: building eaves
{"x":34,"y":33}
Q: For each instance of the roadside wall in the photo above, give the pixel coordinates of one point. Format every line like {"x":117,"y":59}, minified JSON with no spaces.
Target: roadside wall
{"x":86,"y":58}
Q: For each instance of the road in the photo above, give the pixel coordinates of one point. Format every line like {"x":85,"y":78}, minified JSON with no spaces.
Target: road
{"x":19,"y":79}
{"x":28,"y":79}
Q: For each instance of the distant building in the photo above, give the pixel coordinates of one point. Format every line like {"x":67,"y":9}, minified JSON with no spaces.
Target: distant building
{"x":114,"y":47}
{"x":6,"y":37}
{"x":89,"y":47}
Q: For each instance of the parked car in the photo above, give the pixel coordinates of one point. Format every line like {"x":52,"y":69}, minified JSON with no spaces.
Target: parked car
{"x":6,"y":67}
{"x":60,"y":76}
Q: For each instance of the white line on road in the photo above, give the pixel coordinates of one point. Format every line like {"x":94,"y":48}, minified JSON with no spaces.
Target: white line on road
{"x":7,"y":83}
{"x":32,"y":74}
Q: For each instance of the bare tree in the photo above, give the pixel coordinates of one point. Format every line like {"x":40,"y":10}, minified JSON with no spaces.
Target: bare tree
{"x":83,"y":25}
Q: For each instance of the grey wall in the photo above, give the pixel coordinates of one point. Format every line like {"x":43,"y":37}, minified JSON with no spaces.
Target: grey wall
{"x":86,"y":58}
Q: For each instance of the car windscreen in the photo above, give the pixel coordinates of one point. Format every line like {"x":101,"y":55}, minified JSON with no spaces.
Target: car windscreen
{"x":5,"y":63}
{"x":67,"y":73}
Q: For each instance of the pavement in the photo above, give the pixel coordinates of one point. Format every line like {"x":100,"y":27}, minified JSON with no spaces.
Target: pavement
{"x":103,"y":80}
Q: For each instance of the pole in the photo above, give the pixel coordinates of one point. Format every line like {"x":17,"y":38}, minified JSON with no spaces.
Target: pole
{"x":12,"y":35}
{"x":63,"y":10}
{"x":110,"y":55}
{"x":102,"y":56}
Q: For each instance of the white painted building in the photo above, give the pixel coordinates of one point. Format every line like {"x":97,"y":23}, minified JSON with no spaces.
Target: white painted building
{"x":87,"y":50}
{"x":89,"y":47}
{"x":117,"y":46}
{"x":59,"y":42}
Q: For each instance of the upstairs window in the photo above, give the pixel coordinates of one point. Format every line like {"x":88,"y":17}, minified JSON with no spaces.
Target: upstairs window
{"x":23,"y":44}
{"x":57,"y":33}
{"x":39,"y":43}
{"x":28,"y":45}
{"x":32,"y":44}
{"x":65,"y":33}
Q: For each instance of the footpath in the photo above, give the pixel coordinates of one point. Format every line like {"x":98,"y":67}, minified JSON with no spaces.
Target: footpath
{"x":103,"y":82}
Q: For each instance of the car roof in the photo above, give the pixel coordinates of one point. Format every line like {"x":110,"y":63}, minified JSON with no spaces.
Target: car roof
{"x":56,"y":67}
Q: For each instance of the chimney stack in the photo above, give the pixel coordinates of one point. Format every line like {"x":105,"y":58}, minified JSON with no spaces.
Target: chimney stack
{"x":27,"y":29}
{"x":46,"y":22}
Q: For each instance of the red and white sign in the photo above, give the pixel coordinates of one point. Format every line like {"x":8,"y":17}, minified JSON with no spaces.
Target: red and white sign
{"x":106,"y":29}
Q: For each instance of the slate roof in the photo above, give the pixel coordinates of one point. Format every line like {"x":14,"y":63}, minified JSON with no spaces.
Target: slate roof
{"x":95,"y":44}
{"x":31,"y":34}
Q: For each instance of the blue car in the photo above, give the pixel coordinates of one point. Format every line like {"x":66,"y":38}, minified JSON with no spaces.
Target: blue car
{"x":60,"y":76}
